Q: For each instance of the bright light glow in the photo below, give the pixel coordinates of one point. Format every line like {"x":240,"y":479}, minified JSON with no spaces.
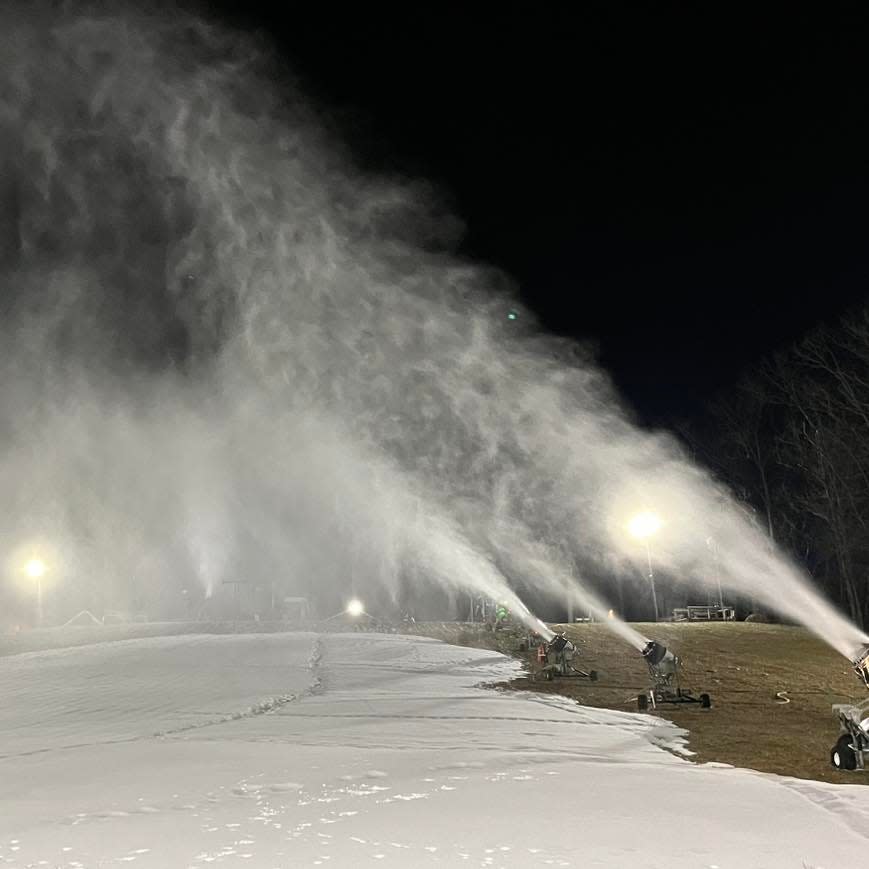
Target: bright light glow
{"x":644,"y":525}
{"x":355,"y":608}
{"x":35,"y":568}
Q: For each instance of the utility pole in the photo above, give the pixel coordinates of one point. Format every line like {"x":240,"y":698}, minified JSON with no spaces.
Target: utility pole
{"x":652,"y":579}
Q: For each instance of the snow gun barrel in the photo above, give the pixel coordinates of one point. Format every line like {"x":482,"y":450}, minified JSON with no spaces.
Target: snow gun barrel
{"x":860,"y":660}
{"x":558,"y":643}
{"x":659,"y":657}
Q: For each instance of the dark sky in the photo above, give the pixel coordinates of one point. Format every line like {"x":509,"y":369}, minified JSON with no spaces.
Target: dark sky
{"x":685,"y":185}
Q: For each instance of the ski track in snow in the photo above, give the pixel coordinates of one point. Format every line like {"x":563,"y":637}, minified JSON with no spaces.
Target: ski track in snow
{"x":284,"y":750}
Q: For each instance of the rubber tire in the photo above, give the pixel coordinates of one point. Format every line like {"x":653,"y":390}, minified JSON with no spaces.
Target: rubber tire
{"x":642,"y":702}
{"x":842,"y":756}
{"x":592,"y":675}
{"x":705,"y":701}
{"x":549,"y":675}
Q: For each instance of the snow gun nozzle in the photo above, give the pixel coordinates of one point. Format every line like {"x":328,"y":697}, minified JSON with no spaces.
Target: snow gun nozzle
{"x":654,"y":653}
{"x":860,"y":660}
{"x":662,"y":662}
{"x":559,"y":642}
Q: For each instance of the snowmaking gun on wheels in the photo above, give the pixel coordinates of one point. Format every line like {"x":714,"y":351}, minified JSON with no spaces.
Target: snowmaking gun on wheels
{"x":853,"y":743}
{"x":665,"y":669}
{"x":556,"y":659}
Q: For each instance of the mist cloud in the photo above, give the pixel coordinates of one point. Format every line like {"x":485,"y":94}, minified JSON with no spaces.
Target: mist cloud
{"x":228,"y":353}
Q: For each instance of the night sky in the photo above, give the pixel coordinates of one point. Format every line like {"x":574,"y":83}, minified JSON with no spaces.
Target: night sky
{"x":686,"y":187}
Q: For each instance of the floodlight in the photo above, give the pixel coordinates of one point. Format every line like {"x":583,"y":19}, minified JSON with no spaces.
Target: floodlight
{"x":644,"y":525}
{"x":35,"y":568}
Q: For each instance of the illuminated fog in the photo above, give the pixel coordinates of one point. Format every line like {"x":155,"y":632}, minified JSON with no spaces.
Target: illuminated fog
{"x":229,"y":354}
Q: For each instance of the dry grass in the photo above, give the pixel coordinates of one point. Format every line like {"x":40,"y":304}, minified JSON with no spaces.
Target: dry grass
{"x":742,"y":666}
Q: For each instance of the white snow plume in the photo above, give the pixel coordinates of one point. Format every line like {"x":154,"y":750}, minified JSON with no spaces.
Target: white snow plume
{"x":222,"y":335}
{"x":552,"y":573}
{"x":706,"y":538}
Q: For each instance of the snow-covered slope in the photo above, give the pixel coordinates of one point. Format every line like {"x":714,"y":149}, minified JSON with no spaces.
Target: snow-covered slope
{"x":287,"y":750}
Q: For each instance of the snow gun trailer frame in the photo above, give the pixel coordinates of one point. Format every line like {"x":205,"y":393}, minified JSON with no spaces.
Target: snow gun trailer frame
{"x":853,"y":742}
{"x":665,"y":669}
{"x":556,"y":659}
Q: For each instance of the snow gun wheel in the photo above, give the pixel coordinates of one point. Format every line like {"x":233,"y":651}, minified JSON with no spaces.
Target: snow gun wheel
{"x":842,"y":756}
{"x":705,"y":701}
{"x":592,"y":675}
{"x":548,"y":674}
{"x":642,"y":702}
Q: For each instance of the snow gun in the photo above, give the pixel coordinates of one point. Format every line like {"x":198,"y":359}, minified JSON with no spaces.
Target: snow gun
{"x":665,"y":668}
{"x":556,"y":659}
{"x":853,"y":742}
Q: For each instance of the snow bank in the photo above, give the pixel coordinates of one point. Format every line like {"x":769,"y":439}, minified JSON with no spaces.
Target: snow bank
{"x":351,"y":749}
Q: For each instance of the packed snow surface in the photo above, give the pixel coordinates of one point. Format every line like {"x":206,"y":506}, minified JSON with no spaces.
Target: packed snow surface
{"x":286,"y":750}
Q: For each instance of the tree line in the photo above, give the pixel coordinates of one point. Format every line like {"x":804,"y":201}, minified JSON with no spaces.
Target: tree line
{"x":791,"y":438}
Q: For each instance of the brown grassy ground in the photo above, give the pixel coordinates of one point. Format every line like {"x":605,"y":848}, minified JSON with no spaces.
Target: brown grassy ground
{"x":741,"y":665}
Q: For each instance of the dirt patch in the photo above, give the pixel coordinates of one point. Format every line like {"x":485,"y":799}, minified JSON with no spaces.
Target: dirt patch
{"x":747,"y":668}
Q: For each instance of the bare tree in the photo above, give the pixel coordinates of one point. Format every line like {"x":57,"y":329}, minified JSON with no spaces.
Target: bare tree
{"x":792,"y":438}
{"x":744,"y":419}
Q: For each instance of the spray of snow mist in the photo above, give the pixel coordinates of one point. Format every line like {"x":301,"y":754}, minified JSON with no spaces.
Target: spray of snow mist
{"x":231,"y":354}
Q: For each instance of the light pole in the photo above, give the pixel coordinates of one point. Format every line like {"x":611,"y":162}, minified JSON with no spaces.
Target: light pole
{"x":643,"y":526}
{"x":35,"y":569}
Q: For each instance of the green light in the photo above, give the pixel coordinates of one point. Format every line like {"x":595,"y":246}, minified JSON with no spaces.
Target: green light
{"x":512,"y":315}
